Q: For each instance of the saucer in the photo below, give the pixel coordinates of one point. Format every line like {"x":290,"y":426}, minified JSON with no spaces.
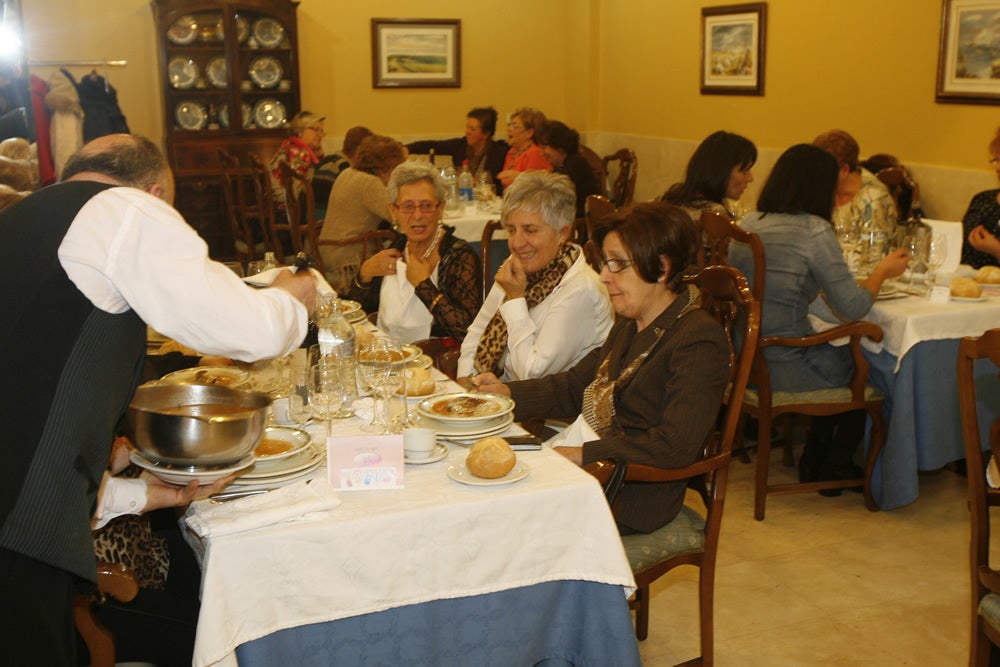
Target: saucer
{"x":439,"y":452}
{"x":461,"y":474}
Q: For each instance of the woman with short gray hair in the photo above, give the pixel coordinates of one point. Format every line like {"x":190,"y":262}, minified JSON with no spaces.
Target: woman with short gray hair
{"x":547,"y":307}
{"x":427,"y":282}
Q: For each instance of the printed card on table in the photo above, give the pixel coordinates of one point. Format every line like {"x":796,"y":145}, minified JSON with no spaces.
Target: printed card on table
{"x":360,"y":463}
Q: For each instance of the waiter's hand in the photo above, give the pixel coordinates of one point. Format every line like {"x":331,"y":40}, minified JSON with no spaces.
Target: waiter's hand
{"x":382,"y":263}
{"x":301,"y":285}
{"x":161,"y":494}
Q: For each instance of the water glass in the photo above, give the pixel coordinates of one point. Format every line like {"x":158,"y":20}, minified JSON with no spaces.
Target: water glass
{"x":298,"y":400}
{"x":380,"y":369}
{"x":254,"y":267}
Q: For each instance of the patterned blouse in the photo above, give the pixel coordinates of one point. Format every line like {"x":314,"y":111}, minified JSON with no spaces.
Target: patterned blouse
{"x":983,"y":210}
{"x":299,"y":156}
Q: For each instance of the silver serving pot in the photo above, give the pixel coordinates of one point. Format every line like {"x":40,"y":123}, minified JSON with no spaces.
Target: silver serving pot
{"x":196,"y":426}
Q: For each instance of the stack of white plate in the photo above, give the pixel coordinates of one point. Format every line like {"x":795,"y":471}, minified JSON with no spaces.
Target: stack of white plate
{"x":276,"y":466}
{"x":466,"y":417}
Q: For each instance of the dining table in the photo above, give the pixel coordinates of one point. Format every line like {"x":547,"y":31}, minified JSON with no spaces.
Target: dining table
{"x":470,"y":220}
{"x":915,"y":366}
{"x":438,"y":572}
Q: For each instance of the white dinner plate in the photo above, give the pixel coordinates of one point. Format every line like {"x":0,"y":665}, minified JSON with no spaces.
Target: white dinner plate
{"x":452,"y":431}
{"x":969,"y":299}
{"x":191,"y":115}
{"x":896,"y":294}
{"x":242,"y":28}
{"x":184,"y":30}
{"x":502,"y":405}
{"x":296,"y":437}
{"x":306,"y":460}
{"x":265,"y":72}
{"x":423,"y":361}
{"x":183,"y":73}
{"x":173,"y":475}
{"x":268,"y":32}
{"x":216,"y":72}
{"x":439,"y":452}
{"x":269,"y":114}
{"x":221,"y":376}
{"x":224,"y":115}
{"x":275,"y":482}
{"x":462,"y":474}
{"x":440,"y":387}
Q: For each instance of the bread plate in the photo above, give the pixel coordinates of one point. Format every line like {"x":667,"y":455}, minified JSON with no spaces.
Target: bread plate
{"x":462,"y":475}
{"x":465,"y":408}
{"x":969,"y":299}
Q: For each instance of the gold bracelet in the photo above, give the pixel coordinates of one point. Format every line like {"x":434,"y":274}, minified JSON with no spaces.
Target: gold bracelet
{"x":358,"y":282}
{"x":436,"y":299}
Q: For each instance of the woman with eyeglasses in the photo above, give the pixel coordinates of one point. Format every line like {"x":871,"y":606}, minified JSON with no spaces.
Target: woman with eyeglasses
{"x":427,"y":283}
{"x":651,"y":393}
{"x":982,"y":221}
{"x":525,"y":154}
{"x":302,"y":151}
{"x":547,"y":308}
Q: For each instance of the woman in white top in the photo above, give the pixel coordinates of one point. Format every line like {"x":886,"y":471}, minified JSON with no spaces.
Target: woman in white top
{"x":547,"y":307}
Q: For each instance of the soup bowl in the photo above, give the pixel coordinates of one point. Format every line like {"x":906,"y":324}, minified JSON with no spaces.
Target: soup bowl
{"x":196,"y":426}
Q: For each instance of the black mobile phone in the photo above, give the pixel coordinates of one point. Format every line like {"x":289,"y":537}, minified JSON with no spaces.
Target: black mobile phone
{"x":523,"y":442}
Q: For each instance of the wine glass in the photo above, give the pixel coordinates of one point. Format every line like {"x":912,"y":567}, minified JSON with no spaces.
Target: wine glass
{"x":380,"y":369}
{"x":938,"y":252}
{"x":323,"y":398}
{"x":298,"y":400}
{"x":919,"y":242}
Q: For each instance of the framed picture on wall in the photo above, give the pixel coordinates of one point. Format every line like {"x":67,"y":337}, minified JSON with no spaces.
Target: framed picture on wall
{"x":416,"y":53}
{"x":968,"y":62}
{"x":732,"y":49}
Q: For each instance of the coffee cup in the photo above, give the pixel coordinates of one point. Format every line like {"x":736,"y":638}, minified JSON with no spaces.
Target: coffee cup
{"x":419,"y":443}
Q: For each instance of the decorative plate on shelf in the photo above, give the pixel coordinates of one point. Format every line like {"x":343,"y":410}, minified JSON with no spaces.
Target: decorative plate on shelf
{"x":216,"y":71}
{"x":265,"y":72}
{"x":268,"y":32}
{"x":242,"y":28}
{"x":184,"y":30}
{"x":191,"y":115}
{"x":269,"y":113}
{"x":224,"y":115}
{"x":183,"y":73}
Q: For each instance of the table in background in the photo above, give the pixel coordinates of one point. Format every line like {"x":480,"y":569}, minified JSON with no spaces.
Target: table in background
{"x":915,"y":366}
{"x":436,"y":573}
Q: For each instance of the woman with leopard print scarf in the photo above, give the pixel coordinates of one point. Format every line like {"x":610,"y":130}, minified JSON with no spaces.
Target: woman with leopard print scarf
{"x":547,"y":308}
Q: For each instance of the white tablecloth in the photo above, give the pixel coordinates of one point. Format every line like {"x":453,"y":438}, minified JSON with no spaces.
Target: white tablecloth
{"x":435,"y":539}
{"x":470,"y":222}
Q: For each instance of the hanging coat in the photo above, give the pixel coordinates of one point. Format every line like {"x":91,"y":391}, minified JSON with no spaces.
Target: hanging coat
{"x":101,"y":113}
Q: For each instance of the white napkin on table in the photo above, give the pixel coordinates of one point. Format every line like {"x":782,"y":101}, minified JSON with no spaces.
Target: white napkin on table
{"x":287,"y":503}
{"x":265,"y":278}
{"x":574,"y":435}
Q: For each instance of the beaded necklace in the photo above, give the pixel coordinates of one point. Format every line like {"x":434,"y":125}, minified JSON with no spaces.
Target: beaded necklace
{"x":430,"y":248}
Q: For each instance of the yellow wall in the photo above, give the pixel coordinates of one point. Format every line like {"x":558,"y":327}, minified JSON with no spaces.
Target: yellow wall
{"x":604,"y":66}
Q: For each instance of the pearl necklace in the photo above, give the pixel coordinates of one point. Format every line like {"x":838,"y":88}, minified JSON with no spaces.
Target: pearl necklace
{"x":430,"y":248}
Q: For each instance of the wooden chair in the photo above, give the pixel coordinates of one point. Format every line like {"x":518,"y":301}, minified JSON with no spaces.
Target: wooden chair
{"x":596,"y":165}
{"x":486,"y":253}
{"x":276,"y":229}
{"x":718,"y":230}
{"x":622,"y":189}
{"x":985,"y":607}
{"x":370,"y":242}
{"x":445,"y":353}
{"x":724,"y":294}
{"x":596,"y":208}
{"x":119,"y":582}
{"x":300,"y":221}
{"x":240,"y":202}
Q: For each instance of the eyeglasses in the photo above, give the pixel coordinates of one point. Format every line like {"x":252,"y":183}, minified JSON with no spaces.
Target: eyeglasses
{"x":515,"y":126}
{"x":410,"y":208}
{"x":317,"y":129}
{"x":615,"y":265}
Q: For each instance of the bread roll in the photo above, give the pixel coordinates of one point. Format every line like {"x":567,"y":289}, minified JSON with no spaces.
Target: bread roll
{"x":966,"y":288}
{"x":419,"y":382}
{"x":490,"y":458}
{"x":989,"y":275}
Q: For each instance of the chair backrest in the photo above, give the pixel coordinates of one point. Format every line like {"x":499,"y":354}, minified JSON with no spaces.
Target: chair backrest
{"x":444,"y":352}
{"x":595,"y":209}
{"x":485,"y":253}
{"x":376,"y":241}
{"x":904,"y":190}
{"x":596,"y":165}
{"x":981,"y":496}
{"x":240,"y":203}
{"x":717,"y":231}
{"x":275,"y":229}
{"x":622,"y":176}
{"x":300,"y":212}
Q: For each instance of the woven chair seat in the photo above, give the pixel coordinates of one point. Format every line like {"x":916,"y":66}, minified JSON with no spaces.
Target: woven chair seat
{"x":684,"y":535}
{"x":834,"y":395}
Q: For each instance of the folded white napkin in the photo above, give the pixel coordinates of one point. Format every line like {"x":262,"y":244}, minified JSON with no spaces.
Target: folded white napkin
{"x":287,"y":503}
{"x":364,"y":408}
{"x":265,"y":278}
{"x":573,"y":435}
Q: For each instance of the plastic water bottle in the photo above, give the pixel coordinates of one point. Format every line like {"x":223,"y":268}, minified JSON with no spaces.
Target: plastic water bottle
{"x":270,"y":261}
{"x":336,"y":334}
{"x":451,"y":188}
{"x":465,"y":183}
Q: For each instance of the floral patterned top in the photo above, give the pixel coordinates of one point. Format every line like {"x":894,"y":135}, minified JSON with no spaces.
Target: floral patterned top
{"x":299,"y":156}
{"x":983,"y":210}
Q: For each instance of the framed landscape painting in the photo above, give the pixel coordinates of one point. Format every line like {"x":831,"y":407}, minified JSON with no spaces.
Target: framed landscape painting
{"x":732,"y":49}
{"x":969,"y":55}
{"x":416,"y":53}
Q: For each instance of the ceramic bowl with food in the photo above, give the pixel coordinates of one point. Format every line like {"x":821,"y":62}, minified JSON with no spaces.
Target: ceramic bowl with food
{"x":196,"y":426}
{"x":209,"y":376}
{"x":465,"y":408}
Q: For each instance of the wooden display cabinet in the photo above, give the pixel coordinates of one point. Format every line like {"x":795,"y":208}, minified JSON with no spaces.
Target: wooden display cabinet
{"x":217,"y":57}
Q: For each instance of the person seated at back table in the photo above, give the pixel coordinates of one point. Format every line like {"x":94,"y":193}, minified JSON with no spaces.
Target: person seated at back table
{"x":804,"y":259}
{"x":358,"y":204}
{"x":561,"y":147}
{"x":301,"y":151}
{"x":981,"y":222}
{"x":547,"y":307}
{"x":427,"y":282}
{"x":524,"y":154}
{"x":331,"y":166}
{"x":652,"y":391}
{"x":718,"y":173}
{"x":478,"y":146}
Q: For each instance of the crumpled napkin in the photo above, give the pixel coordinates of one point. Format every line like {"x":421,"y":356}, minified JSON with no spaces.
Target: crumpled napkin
{"x":574,"y":435}
{"x":287,"y":503}
{"x":364,"y":408}
{"x":265,"y":278}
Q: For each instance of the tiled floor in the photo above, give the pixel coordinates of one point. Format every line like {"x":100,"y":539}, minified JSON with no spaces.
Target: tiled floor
{"x":822,"y":581}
